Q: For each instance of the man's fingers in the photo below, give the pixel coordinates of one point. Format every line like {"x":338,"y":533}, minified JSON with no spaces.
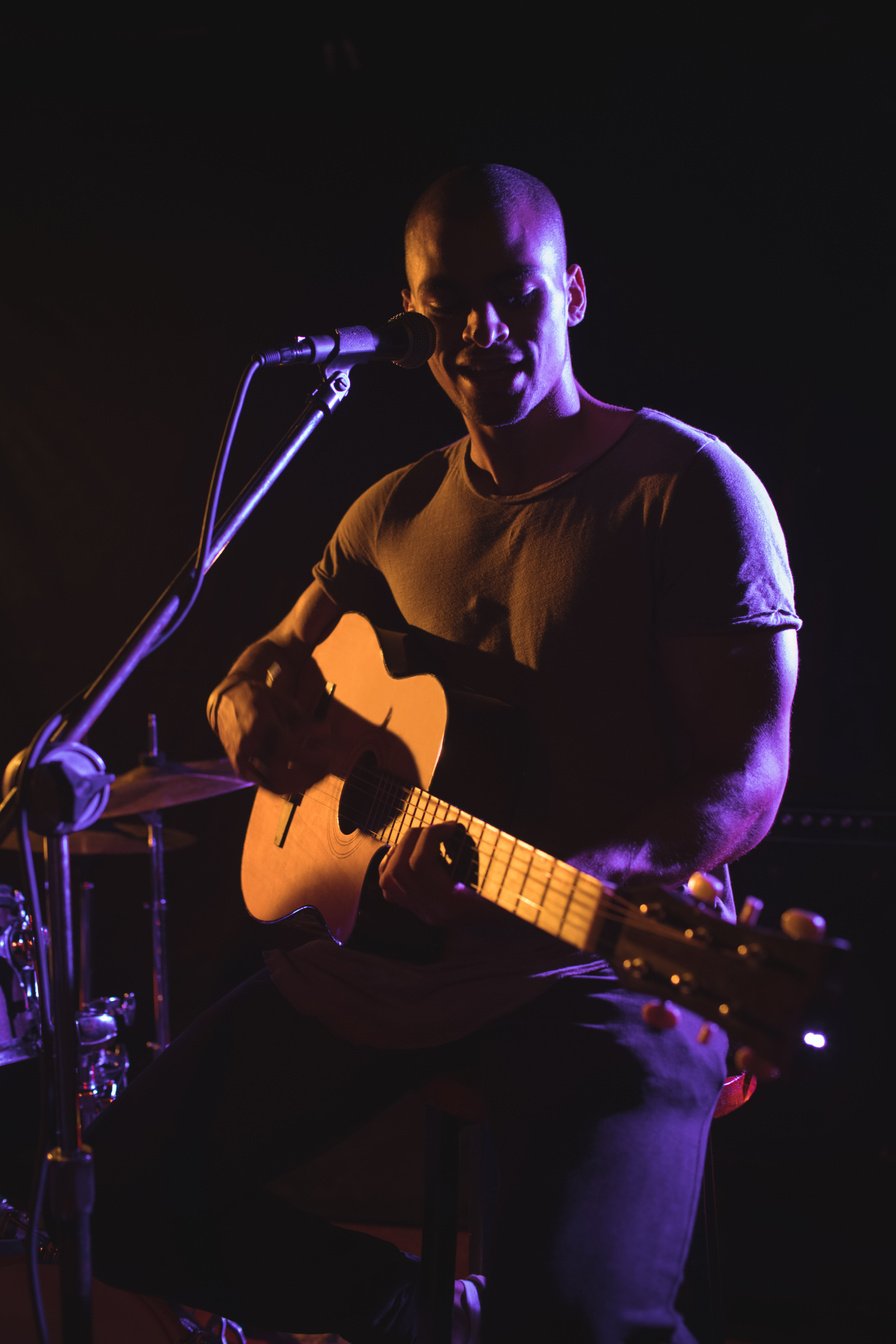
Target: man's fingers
{"x":425,"y":852}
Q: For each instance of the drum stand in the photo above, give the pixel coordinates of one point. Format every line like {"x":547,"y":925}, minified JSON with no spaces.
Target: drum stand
{"x":158,"y":905}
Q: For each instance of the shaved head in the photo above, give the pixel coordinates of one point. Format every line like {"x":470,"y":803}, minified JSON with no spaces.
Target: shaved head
{"x":470,"y":191}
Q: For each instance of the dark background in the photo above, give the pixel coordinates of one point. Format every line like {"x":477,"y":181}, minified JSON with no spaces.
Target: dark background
{"x":174,"y":198}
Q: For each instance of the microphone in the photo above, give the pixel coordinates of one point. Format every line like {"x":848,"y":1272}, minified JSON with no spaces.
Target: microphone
{"x":407,"y":339}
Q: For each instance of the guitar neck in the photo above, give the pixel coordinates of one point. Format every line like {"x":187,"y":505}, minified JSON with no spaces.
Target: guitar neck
{"x":545,"y":891}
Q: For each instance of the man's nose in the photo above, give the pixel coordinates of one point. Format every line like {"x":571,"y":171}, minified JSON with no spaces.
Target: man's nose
{"x":485,"y":326}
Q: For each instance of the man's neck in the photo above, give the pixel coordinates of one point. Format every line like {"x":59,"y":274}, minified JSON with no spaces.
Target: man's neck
{"x":514,"y":459}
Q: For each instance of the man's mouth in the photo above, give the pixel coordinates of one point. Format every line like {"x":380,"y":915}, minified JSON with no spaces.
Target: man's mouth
{"x":489,"y":370}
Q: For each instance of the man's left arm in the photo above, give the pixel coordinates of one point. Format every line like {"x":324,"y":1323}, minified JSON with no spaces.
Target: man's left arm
{"x":728,"y":700}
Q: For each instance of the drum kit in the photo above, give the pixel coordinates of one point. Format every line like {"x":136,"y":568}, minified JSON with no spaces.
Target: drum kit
{"x":131,"y":824}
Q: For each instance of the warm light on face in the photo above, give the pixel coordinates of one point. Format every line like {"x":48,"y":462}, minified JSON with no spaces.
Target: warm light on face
{"x":497,"y":293}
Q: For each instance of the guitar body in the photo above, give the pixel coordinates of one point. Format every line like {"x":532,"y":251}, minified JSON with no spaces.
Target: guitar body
{"x":387,"y":733}
{"x":308,"y":851}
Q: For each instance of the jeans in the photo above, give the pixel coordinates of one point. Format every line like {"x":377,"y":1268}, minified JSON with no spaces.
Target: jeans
{"x":598,"y":1126}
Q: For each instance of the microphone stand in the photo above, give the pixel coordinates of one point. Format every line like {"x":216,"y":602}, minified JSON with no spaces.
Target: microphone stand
{"x":61,"y":786}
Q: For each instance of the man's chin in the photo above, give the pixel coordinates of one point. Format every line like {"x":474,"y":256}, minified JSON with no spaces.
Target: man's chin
{"x":495,"y":411}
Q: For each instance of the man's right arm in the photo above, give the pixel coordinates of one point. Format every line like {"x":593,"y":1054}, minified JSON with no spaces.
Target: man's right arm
{"x":262,"y":710}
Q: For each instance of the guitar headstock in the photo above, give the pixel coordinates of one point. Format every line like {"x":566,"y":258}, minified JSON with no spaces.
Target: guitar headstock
{"x":762,"y":985}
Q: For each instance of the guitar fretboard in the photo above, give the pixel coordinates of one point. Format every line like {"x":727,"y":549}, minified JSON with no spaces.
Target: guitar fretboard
{"x":545,"y":891}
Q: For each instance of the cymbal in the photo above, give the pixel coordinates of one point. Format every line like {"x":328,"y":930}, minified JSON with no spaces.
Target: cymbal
{"x":149,"y":788}
{"x":118,"y":837}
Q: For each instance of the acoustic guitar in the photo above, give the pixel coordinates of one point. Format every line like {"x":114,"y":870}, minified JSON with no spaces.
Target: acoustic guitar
{"x":388,"y":734}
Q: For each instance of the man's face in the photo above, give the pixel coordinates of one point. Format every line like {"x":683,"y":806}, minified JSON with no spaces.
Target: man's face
{"x":496,"y":290}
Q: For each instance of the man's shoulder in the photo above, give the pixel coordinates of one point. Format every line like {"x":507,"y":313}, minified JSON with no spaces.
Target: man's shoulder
{"x":661,"y":430}
{"x":665,"y":446}
{"x":431,"y":466}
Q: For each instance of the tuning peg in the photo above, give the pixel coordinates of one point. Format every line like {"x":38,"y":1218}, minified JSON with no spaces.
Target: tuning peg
{"x":750,"y":911}
{"x":803,"y":925}
{"x":704,"y":887}
{"x":659,"y":1015}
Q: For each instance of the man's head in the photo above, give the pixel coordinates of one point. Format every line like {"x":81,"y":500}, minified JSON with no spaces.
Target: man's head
{"x":485,"y":257}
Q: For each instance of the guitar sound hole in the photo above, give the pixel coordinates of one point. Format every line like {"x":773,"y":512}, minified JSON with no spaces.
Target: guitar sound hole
{"x":370,"y":799}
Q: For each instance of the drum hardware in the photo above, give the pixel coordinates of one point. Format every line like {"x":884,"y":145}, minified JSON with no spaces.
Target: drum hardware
{"x":103,"y":1059}
{"x":50,"y":786}
{"x":19,"y":1002}
{"x":152,"y":786}
{"x":153,"y":759}
{"x":155,"y":783}
{"x":14,"y":1227}
{"x":146,"y":791}
{"x":107,"y":837}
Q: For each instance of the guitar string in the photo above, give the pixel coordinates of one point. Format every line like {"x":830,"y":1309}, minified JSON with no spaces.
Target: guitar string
{"x":610,"y":907}
{"x":559,"y":878}
{"x":421,"y":816}
{"x":421,"y":808}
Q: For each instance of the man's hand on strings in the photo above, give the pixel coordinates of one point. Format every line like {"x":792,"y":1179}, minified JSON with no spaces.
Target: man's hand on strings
{"x":422,"y":873}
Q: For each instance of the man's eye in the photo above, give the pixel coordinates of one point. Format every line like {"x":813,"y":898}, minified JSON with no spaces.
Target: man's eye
{"x":516,"y":298}
{"x":519,"y":298}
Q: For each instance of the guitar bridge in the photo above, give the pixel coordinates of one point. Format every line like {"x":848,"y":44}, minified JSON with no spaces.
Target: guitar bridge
{"x":290,"y":807}
{"x":292,"y":801}
{"x":323,"y":704}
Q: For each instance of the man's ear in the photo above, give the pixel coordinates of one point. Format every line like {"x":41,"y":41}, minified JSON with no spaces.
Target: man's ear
{"x":576,"y":298}
{"x":406,"y":301}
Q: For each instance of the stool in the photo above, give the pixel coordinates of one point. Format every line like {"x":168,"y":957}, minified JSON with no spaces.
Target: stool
{"x":452,"y":1102}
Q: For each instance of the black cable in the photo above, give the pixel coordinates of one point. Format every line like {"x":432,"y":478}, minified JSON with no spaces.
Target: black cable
{"x":212,"y":500}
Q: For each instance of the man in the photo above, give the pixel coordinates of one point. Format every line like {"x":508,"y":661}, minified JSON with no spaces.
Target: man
{"x":620,"y":581}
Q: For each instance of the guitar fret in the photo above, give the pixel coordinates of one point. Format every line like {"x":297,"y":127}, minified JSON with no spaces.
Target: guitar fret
{"x":491,"y":881}
{"x":536,"y":889}
{"x":513,"y":899}
{"x":585,"y":908}
{"x":404,"y":819}
{"x":415,"y":815}
{"x":516,"y":876}
{"x":557,"y":900}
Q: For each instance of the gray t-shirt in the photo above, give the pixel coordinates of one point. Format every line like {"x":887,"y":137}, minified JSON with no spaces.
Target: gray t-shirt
{"x":551,"y":602}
